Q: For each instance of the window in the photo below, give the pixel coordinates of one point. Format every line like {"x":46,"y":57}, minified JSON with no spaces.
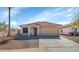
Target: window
{"x":75,"y":30}
{"x":25,"y":30}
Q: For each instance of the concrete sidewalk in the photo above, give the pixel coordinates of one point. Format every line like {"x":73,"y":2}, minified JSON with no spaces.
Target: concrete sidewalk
{"x":51,"y":45}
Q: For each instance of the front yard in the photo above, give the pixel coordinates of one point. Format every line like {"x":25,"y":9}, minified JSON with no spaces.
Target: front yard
{"x":19,"y":44}
{"x":73,"y":38}
{"x":41,"y":45}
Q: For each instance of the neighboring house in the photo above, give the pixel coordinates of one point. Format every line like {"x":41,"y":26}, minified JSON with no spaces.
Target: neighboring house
{"x":69,"y":30}
{"x":4,"y":32}
{"x":42,"y":29}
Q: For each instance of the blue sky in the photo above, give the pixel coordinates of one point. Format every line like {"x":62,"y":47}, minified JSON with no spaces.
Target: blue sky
{"x":24,"y":15}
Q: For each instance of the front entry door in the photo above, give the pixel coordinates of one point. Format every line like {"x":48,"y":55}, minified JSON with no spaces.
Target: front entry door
{"x":35,"y":32}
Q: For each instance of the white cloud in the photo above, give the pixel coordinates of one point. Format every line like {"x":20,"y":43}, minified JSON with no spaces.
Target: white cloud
{"x":70,"y":15}
{"x":64,"y":23}
{"x":13,"y":23}
{"x":70,"y":9}
{"x":46,"y":15}
{"x":52,"y":14}
{"x":14,"y":12}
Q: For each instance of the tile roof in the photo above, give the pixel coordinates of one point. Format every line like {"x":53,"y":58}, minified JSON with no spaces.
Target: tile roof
{"x":42,"y":23}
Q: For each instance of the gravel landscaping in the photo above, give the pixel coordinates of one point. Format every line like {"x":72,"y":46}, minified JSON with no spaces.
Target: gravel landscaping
{"x":73,"y":38}
{"x":20,"y":44}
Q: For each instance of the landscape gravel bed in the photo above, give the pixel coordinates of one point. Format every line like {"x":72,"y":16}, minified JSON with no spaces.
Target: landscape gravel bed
{"x":20,"y":44}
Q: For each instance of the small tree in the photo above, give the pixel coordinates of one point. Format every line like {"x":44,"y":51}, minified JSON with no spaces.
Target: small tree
{"x":75,"y":22}
{"x":3,"y":26}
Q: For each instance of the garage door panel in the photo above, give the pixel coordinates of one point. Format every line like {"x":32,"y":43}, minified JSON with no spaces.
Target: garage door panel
{"x":49,"y":32}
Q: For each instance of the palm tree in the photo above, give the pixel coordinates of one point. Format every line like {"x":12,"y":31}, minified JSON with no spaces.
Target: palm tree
{"x":9,"y":9}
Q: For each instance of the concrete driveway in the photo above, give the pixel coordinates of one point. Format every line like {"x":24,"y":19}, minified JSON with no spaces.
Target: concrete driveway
{"x":52,"y":45}
{"x":61,"y":44}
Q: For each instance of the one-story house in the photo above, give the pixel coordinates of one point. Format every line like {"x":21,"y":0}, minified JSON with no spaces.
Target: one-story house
{"x":41,"y":29}
{"x":70,"y":30}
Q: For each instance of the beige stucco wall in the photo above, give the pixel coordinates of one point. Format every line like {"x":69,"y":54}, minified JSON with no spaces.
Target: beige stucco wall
{"x":52,"y":30}
{"x":26,"y":34}
{"x":49,"y":31}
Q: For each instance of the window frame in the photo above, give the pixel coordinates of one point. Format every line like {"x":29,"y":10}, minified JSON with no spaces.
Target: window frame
{"x":24,"y":30}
